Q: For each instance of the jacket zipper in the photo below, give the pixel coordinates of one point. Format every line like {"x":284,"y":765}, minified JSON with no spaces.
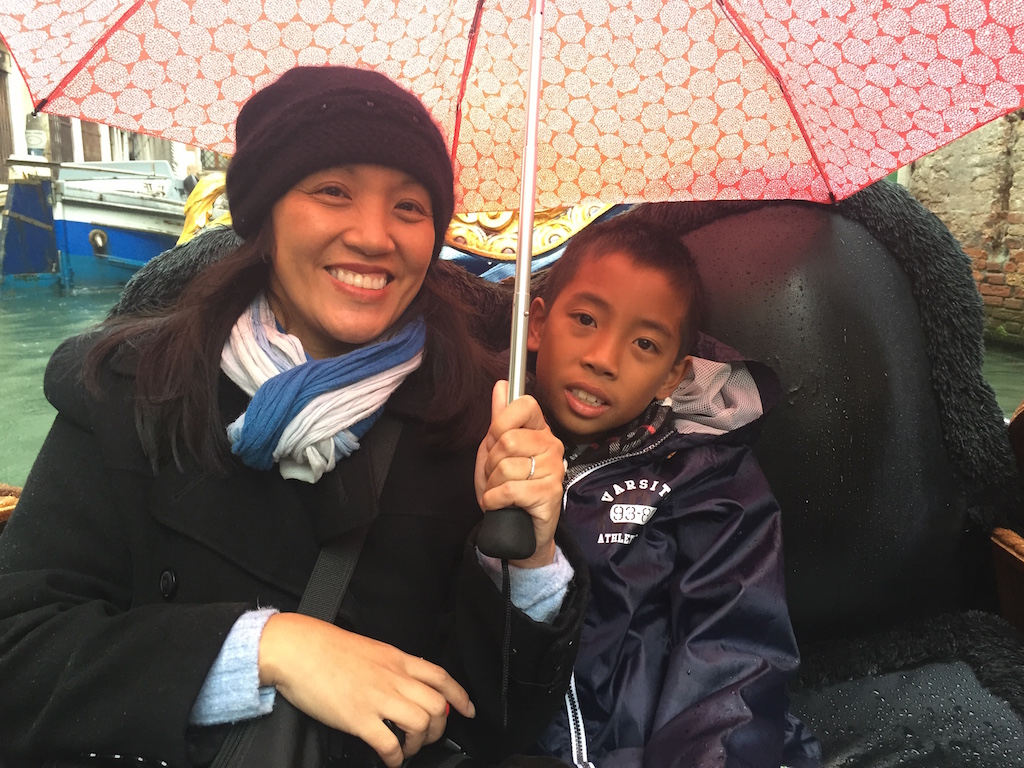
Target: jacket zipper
{"x":577,"y":733}
{"x":574,"y":476}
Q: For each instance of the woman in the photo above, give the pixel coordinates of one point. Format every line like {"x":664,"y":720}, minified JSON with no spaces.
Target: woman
{"x":149,"y":578}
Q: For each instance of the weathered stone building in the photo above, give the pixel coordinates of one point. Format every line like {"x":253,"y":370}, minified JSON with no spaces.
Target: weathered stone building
{"x":976,"y":186}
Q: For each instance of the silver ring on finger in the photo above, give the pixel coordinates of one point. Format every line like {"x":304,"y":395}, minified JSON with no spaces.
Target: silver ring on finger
{"x":533,"y":467}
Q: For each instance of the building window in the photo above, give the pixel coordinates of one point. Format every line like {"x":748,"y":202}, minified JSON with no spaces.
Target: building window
{"x":62,"y":148}
{"x":91,"y":142}
{"x":213,"y":161}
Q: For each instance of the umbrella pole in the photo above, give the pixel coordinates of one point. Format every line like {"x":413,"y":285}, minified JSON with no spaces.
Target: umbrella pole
{"x":508,"y":533}
{"x":524,"y":253}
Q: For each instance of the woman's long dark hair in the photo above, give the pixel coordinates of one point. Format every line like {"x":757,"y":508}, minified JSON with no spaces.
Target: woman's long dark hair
{"x":176,"y":358}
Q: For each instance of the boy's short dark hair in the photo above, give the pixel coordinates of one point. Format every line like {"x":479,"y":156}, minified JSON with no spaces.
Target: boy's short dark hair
{"x":651,"y":245}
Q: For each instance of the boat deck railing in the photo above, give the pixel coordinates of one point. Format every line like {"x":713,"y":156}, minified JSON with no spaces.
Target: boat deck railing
{"x":143,"y":169}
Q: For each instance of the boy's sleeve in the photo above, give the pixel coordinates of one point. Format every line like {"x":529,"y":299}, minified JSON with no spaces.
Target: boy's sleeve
{"x":537,"y":592}
{"x":733,"y":648}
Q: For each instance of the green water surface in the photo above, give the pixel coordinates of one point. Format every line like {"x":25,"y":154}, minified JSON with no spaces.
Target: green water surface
{"x":31,"y":327}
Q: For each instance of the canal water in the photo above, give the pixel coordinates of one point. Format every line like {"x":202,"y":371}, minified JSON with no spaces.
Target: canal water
{"x":32,"y":327}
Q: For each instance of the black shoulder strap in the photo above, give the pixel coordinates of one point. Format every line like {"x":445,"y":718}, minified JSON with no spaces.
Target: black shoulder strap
{"x":337,"y":560}
{"x":321,"y":599}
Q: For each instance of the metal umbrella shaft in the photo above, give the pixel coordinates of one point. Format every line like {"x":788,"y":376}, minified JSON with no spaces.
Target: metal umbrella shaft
{"x":508,"y":533}
{"x":528,"y":195}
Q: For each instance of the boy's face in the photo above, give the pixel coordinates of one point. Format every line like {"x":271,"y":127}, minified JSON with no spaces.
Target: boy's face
{"x":607,"y":346}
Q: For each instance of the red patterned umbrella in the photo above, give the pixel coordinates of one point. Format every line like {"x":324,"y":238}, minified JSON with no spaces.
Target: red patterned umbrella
{"x":642,"y":100}
{"x":610,"y":101}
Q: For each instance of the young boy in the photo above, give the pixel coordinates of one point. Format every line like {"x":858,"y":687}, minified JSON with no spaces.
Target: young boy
{"x":687,"y":644}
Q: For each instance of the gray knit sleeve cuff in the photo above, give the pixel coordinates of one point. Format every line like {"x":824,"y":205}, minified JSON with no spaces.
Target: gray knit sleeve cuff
{"x":232,"y":690}
{"x":537,"y":592}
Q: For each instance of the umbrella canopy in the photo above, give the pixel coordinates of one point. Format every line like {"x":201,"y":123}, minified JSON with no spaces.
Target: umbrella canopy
{"x":640,"y":101}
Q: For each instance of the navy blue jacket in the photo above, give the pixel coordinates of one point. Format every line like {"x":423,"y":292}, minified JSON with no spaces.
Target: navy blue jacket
{"x":687,"y":643}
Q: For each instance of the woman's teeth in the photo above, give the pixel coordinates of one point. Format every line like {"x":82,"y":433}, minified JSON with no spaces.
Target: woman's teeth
{"x":358,"y":280}
{"x":586,"y":397}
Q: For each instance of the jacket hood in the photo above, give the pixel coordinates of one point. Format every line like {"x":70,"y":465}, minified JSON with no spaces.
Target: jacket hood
{"x":723,"y":391}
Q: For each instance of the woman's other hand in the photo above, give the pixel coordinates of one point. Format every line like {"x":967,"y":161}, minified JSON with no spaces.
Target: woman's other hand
{"x":353,"y":684}
{"x":519,"y":464}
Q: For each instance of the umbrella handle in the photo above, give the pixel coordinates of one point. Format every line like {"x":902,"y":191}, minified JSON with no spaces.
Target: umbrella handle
{"x":507,"y":534}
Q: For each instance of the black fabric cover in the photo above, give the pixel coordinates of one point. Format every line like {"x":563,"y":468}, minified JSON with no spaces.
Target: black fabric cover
{"x":942,"y":692}
{"x":935,"y":716}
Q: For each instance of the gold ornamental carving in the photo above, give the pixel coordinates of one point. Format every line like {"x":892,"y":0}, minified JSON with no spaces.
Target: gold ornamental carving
{"x":491,"y":235}
{"x":496,"y":235}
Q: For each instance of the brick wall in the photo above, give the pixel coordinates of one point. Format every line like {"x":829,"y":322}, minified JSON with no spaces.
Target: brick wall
{"x":1013,"y":264}
{"x":976,"y":187}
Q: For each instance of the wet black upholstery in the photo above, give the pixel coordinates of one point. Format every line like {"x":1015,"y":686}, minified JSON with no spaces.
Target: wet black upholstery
{"x":873,"y":521}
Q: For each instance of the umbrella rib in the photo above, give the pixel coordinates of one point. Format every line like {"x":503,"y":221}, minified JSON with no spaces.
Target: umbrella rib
{"x":474,"y":30}
{"x":763,"y":58}
{"x":88,"y":56}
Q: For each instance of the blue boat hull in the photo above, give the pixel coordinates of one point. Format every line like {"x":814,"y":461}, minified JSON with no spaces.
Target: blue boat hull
{"x":128,"y":245}
{"x":83,"y":233}
{"x":28,"y":247}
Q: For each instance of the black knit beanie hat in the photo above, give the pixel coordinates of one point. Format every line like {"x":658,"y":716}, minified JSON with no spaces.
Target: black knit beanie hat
{"x":319,"y":117}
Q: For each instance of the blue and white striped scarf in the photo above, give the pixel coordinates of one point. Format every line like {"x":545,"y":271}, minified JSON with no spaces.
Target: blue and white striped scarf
{"x":304,"y":413}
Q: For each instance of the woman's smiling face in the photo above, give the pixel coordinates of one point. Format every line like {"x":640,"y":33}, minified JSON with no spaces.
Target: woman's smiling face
{"x":352,"y":245}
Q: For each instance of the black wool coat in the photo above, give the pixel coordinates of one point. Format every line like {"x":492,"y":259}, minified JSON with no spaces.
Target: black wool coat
{"x":118,"y":584}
